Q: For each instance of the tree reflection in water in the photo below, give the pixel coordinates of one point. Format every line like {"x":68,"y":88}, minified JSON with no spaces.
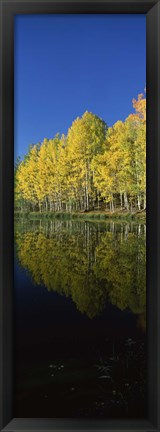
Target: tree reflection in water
{"x":93,"y":362}
{"x":93,"y":262}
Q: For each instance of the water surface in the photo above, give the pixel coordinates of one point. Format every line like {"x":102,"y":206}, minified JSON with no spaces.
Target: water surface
{"x":80,"y":298}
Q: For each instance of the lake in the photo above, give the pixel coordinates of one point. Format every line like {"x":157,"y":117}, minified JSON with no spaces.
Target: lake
{"x":80,"y":307}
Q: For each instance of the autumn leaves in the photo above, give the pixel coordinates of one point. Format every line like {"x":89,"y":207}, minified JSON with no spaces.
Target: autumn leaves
{"x":92,"y":167}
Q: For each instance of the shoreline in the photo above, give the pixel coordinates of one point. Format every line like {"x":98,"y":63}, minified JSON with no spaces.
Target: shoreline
{"x":91,"y":215}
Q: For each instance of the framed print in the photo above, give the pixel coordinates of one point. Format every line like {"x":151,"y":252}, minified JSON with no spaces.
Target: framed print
{"x":79,"y":215}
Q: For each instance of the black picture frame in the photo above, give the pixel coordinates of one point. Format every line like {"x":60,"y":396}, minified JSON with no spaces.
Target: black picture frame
{"x":7,"y":11}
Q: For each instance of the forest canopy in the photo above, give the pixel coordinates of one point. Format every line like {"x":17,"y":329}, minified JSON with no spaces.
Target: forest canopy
{"x":92,"y":167}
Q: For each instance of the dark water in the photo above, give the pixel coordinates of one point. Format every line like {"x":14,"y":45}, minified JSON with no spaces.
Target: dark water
{"x":80,"y":298}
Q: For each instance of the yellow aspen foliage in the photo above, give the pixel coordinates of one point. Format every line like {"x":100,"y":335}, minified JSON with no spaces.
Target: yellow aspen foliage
{"x":92,"y":166}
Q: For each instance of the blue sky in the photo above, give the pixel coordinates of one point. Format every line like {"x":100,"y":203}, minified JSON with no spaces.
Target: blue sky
{"x":68,"y":64}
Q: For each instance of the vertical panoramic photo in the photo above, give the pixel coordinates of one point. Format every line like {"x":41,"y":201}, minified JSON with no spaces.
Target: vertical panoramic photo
{"x":80,"y":216}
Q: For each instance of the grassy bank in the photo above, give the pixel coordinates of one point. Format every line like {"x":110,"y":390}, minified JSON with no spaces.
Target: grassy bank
{"x":92,"y":215}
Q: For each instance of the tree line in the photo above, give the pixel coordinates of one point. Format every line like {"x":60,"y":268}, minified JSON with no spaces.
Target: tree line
{"x":92,"y":167}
